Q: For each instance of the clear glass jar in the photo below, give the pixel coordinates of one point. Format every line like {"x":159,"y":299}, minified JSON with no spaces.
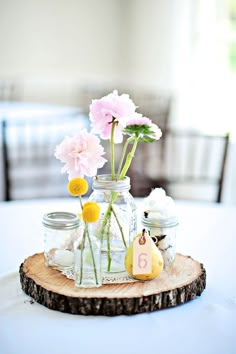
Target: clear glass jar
{"x":163,"y":233}
{"x":118,"y":220}
{"x":60,"y":231}
{"x":87,"y":257}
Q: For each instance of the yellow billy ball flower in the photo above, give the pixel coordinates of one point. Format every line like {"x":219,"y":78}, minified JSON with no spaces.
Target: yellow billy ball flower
{"x":77,"y":186}
{"x":89,"y":203}
{"x":91,"y":212}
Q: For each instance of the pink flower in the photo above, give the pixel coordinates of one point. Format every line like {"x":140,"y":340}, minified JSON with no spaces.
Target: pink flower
{"x":103,"y":111}
{"x":157,"y":133}
{"x":139,"y":120}
{"x":143,"y":128}
{"x":81,"y":153}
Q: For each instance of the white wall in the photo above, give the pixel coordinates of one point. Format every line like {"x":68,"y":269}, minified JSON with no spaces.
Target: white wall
{"x":158,"y":42}
{"x":59,"y":39}
{"x":52,"y":46}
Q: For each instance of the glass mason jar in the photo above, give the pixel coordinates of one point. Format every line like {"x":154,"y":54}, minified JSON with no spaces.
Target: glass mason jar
{"x":87,"y":257}
{"x":118,"y":221}
{"x":163,"y":233}
{"x":60,"y":231}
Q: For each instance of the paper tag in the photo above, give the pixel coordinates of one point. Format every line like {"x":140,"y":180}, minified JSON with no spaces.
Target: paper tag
{"x":142,"y":254}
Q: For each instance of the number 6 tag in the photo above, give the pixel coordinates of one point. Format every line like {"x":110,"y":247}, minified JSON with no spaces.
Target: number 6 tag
{"x":142,"y":254}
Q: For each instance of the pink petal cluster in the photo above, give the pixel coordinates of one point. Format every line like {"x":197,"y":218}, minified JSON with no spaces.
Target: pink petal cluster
{"x":139,"y":120}
{"x":102,"y":112}
{"x":157,"y":133}
{"x":81,"y":153}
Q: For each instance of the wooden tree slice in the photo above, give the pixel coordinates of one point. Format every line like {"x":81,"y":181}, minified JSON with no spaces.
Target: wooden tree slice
{"x":183,"y":281}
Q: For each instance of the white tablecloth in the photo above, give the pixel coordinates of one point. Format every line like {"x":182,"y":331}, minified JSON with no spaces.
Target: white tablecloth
{"x":53,"y":123}
{"x":30,"y":110}
{"x":205,"y":325}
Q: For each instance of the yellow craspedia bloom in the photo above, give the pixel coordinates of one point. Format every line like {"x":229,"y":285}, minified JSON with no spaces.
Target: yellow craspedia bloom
{"x":77,"y":186}
{"x":91,"y":212}
{"x":89,"y":203}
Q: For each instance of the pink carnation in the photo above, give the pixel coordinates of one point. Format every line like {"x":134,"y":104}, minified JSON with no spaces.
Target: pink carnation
{"x":81,"y":153}
{"x":103,"y":110}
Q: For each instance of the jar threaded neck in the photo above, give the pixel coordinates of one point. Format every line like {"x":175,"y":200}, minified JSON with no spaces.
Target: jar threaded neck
{"x":60,"y":220}
{"x":105,"y":182}
{"x":167,"y":222}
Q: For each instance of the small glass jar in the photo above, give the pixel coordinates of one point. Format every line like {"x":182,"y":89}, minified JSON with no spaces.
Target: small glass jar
{"x":163,"y":233}
{"x":60,"y":231}
{"x":118,"y":220}
{"x":87,"y":257}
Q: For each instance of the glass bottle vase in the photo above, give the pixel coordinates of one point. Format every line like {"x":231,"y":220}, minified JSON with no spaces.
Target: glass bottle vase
{"x":87,"y":257}
{"x":117,"y":224}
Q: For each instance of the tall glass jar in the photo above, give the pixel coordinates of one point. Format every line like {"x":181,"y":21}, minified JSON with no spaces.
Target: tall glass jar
{"x":60,"y":231}
{"x":87,"y":257}
{"x":118,"y":220}
{"x":163,"y":233}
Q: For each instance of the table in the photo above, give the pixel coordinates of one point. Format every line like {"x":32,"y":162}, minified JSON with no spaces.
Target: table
{"x":30,"y":110}
{"x":205,"y":325}
{"x":34,"y":129}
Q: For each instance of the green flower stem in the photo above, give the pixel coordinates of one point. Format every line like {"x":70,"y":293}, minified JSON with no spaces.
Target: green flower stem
{"x":86,"y":232}
{"x":112,"y":150}
{"x":107,"y":216}
{"x":80,"y":201}
{"x":128,"y":159}
{"x":123,"y":156}
{"x":104,"y":222}
{"x":120,"y":227}
{"x":105,"y":228}
{"x":108,"y":227}
{"x":82,"y":254}
{"x":93,"y":260}
{"x":121,"y":176}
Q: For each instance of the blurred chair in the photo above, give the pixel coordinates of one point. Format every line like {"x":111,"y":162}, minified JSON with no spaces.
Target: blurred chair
{"x":191,"y":167}
{"x":9,"y":90}
{"x":30,"y":168}
{"x":156,"y":106}
{"x":87,"y":93}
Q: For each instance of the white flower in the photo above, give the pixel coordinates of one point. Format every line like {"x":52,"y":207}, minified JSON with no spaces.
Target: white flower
{"x":158,"y":205}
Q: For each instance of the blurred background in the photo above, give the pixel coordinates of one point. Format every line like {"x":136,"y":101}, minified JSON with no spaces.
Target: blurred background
{"x":176,"y":59}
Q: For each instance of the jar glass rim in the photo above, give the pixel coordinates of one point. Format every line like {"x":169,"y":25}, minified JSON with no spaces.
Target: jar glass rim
{"x":61,"y":220}
{"x":105,"y":182}
{"x":162,"y":222}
